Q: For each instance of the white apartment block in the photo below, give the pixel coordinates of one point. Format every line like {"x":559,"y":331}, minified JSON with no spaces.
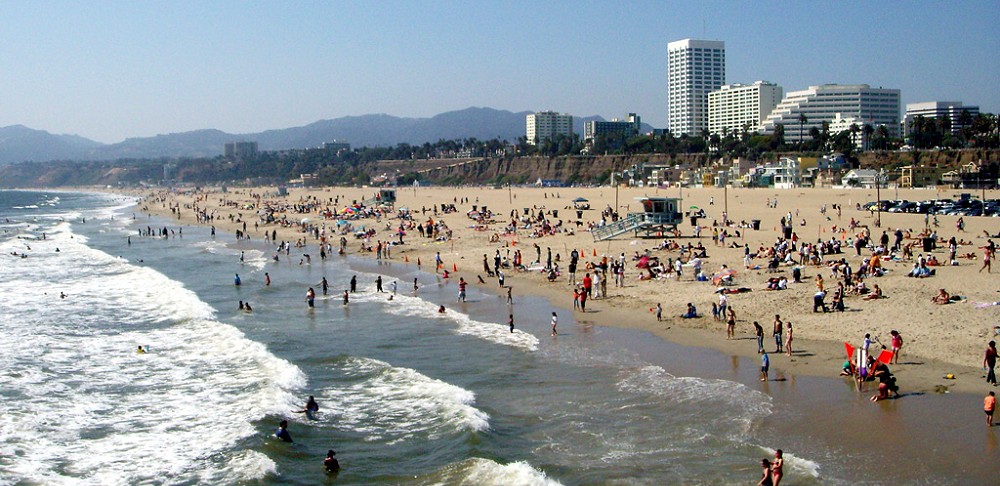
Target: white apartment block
{"x":694,"y":69}
{"x":546,"y":125}
{"x":873,"y":106}
{"x":735,"y":106}
{"x":937,"y":109}
{"x":841,"y":124}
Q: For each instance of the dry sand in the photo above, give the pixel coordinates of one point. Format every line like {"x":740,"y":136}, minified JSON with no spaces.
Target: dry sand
{"x":937,"y":339}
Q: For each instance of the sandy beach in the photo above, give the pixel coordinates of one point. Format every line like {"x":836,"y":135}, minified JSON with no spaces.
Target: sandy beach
{"x":938,"y":339}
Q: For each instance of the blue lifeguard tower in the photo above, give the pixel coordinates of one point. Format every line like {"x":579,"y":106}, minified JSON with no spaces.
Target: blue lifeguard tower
{"x":659,"y":215}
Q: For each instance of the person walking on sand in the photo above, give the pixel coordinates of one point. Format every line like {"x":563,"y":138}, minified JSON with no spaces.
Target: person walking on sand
{"x":555,"y":321}
{"x":897,"y":344}
{"x":759,"y":332}
{"x":989,"y":405}
{"x":659,"y":312}
{"x":987,"y":259}
{"x":990,"y":362}
{"x":731,"y":324}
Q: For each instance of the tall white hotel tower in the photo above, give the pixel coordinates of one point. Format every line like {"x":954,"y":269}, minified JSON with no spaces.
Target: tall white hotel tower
{"x":694,"y":68}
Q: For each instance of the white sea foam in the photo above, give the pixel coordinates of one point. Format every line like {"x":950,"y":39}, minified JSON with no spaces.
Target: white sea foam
{"x":79,"y":404}
{"x":795,"y":463}
{"x":739,"y":406}
{"x":479,"y":471}
{"x":391,"y":404}
{"x":251,"y":257}
{"x":415,"y":306}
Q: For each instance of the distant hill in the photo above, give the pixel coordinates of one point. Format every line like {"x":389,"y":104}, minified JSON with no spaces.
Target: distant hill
{"x":18,"y":143}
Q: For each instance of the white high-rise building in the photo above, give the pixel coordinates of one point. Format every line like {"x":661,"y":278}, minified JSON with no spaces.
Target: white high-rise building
{"x":694,"y":69}
{"x":547,"y":125}
{"x":873,"y":106}
{"x":938,"y":109}
{"x":735,"y":106}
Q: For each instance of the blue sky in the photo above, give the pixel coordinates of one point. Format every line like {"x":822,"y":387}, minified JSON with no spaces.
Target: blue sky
{"x":112,"y":70}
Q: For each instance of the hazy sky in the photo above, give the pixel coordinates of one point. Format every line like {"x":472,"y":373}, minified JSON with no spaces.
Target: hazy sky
{"x":112,"y":70}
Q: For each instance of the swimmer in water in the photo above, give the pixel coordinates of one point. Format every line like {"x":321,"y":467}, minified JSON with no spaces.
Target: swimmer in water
{"x":330,"y":463}
{"x":140,"y":350}
{"x":282,"y":432}
{"x":441,"y":310}
{"x":247,"y":308}
{"x":311,"y":408}
{"x":62,"y":295}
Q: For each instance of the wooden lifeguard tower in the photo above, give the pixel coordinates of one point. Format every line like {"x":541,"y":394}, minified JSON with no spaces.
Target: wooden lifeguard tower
{"x":659,"y":215}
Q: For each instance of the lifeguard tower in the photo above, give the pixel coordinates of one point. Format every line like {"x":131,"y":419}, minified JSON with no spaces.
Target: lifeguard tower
{"x":659,"y":215}
{"x":384,"y":197}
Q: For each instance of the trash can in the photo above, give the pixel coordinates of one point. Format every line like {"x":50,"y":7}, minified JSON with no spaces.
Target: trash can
{"x":579,"y":214}
{"x":756,"y":224}
{"x":928,"y":244}
{"x":526,"y":211}
{"x":694,"y":221}
{"x":788,"y":232}
{"x":555,"y":213}
{"x":473,"y":207}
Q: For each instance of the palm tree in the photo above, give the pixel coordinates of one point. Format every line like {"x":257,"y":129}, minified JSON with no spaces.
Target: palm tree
{"x":883,"y":135}
{"x":866,"y":135}
{"x":854,"y":133}
{"x":802,"y":121}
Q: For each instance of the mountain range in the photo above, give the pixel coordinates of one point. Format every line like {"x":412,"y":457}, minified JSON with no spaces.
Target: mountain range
{"x":19,"y":143}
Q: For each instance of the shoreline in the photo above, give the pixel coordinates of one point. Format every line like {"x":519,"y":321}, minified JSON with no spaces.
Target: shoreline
{"x":816,"y":354}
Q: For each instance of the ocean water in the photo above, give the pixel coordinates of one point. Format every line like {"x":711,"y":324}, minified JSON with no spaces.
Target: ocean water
{"x":407,"y":395}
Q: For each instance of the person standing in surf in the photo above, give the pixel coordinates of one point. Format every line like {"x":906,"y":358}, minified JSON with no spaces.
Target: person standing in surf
{"x":765,"y":364}
{"x":354,"y":283}
{"x":510,"y":322}
{"x":310,"y":409}
{"x":776,"y":467}
{"x":282,"y":432}
{"x":330,"y":463}
{"x":555,"y":321}
{"x":310,"y":297}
